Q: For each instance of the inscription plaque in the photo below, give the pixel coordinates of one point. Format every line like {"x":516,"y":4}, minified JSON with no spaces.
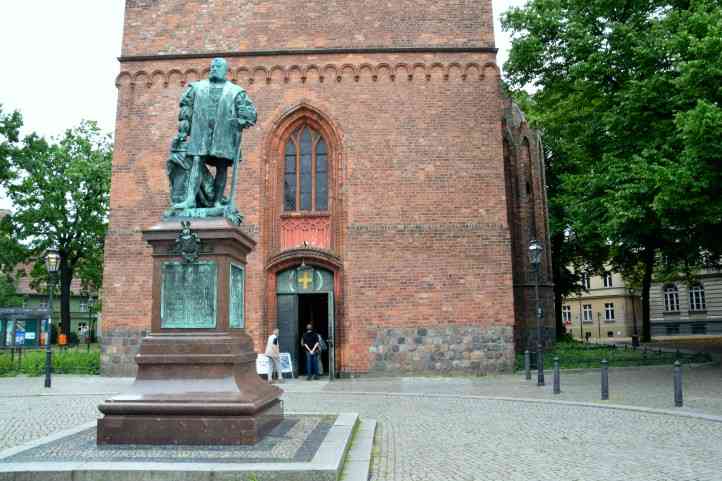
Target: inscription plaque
{"x":188,"y":295}
{"x":235,"y":306}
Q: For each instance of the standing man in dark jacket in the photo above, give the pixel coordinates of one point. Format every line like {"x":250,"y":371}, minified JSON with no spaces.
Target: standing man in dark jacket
{"x":312,"y":348}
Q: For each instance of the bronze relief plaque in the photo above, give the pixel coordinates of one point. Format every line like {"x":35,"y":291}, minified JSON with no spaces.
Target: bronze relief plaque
{"x":236,"y":303}
{"x":188,"y":295}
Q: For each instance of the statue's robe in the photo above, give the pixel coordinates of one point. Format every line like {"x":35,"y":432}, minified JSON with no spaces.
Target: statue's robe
{"x":216,"y":133}
{"x":178,"y":169}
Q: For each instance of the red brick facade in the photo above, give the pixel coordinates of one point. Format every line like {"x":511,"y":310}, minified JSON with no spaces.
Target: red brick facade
{"x":421,"y":217}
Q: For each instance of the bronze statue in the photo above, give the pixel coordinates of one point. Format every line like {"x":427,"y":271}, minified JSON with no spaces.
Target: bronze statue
{"x":213,"y":113}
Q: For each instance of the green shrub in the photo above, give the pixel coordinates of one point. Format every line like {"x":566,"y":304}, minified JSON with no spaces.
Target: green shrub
{"x":575,"y":354}
{"x":65,"y":361}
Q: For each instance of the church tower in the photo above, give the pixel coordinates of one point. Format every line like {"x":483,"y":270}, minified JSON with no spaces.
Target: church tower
{"x":377,"y":181}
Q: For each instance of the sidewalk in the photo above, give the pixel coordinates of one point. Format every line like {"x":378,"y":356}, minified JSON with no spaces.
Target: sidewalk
{"x":467,"y":429}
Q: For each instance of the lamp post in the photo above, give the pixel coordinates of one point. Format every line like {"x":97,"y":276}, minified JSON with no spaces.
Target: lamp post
{"x":91,"y":323}
{"x":635,"y":335}
{"x":52,"y":263}
{"x":535,"y":252}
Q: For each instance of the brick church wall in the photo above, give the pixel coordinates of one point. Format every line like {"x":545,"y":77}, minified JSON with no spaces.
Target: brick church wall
{"x":425,"y":241}
{"x":527,"y":206}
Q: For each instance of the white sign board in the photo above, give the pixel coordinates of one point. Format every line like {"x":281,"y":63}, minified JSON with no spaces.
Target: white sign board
{"x":262,"y":364}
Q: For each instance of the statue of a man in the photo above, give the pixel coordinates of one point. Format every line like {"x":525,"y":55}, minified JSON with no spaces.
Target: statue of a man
{"x":212,"y":115}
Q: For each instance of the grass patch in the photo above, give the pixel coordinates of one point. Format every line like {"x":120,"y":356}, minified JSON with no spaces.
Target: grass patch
{"x":579,"y":355}
{"x":73,"y":360}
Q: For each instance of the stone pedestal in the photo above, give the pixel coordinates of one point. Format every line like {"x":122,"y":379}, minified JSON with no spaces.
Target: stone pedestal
{"x":196,"y":381}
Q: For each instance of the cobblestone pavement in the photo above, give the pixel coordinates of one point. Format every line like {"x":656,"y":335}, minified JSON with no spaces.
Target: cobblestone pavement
{"x":650,"y":387}
{"x":445,"y":429}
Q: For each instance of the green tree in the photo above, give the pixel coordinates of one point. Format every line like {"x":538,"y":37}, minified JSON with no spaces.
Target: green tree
{"x":8,"y":293}
{"x":9,"y":138}
{"x":60,"y":194}
{"x":629,"y":95}
{"x":11,"y":252}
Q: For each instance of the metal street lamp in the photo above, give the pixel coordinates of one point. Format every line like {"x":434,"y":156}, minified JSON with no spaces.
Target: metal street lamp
{"x":535,"y":253}
{"x":52,"y":264}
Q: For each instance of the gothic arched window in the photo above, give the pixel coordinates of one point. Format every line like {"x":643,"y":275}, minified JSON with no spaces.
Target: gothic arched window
{"x":305,"y":176}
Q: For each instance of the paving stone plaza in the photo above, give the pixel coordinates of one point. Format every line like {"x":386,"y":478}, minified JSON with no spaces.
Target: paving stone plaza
{"x":500,"y":427}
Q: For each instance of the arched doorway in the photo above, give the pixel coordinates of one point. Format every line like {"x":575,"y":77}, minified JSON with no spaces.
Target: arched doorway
{"x":305,"y":295}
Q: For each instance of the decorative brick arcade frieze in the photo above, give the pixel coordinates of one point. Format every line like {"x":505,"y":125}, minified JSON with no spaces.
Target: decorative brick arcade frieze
{"x":452,"y":71}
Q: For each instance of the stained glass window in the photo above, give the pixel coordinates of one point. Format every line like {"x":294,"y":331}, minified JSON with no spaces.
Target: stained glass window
{"x":305,"y":179}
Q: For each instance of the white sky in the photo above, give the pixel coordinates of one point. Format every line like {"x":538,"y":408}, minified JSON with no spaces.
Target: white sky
{"x":58,"y":61}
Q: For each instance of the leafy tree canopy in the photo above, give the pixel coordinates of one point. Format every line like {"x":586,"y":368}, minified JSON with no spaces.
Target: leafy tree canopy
{"x":9,"y":138}
{"x":629,"y":96}
{"x":60,"y":194}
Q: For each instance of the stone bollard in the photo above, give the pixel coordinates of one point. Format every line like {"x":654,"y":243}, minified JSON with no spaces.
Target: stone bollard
{"x":605,"y":380}
{"x":527,"y":365}
{"x":678,"y":384}
{"x":557,"y":381}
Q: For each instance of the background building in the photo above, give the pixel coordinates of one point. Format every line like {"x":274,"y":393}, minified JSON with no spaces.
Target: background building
{"x":607,"y":308}
{"x":687,"y":308}
{"x":407,"y":241}
{"x":82,"y":304}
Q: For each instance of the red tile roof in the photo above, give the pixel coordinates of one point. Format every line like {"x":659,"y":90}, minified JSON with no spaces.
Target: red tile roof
{"x":23,"y":286}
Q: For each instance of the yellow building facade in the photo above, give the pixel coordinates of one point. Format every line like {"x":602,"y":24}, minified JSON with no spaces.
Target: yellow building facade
{"x":606,"y":309}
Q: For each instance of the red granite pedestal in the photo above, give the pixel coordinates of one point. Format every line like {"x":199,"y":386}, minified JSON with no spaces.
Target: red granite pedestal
{"x":195,"y":386}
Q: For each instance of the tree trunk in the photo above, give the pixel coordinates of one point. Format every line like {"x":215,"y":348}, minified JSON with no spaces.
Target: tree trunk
{"x":557,"y":242}
{"x":648,"y":259}
{"x":66,"y":277}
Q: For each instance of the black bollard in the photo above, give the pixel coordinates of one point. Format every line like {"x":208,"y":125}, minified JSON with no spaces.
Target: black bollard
{"x":605,"y":380}
{"x":527,"y":365}
{"x":540,"y":366}
{"x":557,"y":381}
{"x":678,"y":384}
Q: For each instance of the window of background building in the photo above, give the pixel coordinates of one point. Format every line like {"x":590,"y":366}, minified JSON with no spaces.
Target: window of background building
{"x":671,"y":298}
{"x":586,"y":282}
{"x":587,"y":310}
{"x":696,"y":298}
{"x":305,"y":181}
{"x":83,"y":306}
{"x":699,"y":328}
{"x":567,"y":313}
{"x":608,"y":279}
{"x":609,"y":311}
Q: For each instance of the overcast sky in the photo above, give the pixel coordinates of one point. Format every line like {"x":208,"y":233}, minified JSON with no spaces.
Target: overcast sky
{"x":58,"y":60}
